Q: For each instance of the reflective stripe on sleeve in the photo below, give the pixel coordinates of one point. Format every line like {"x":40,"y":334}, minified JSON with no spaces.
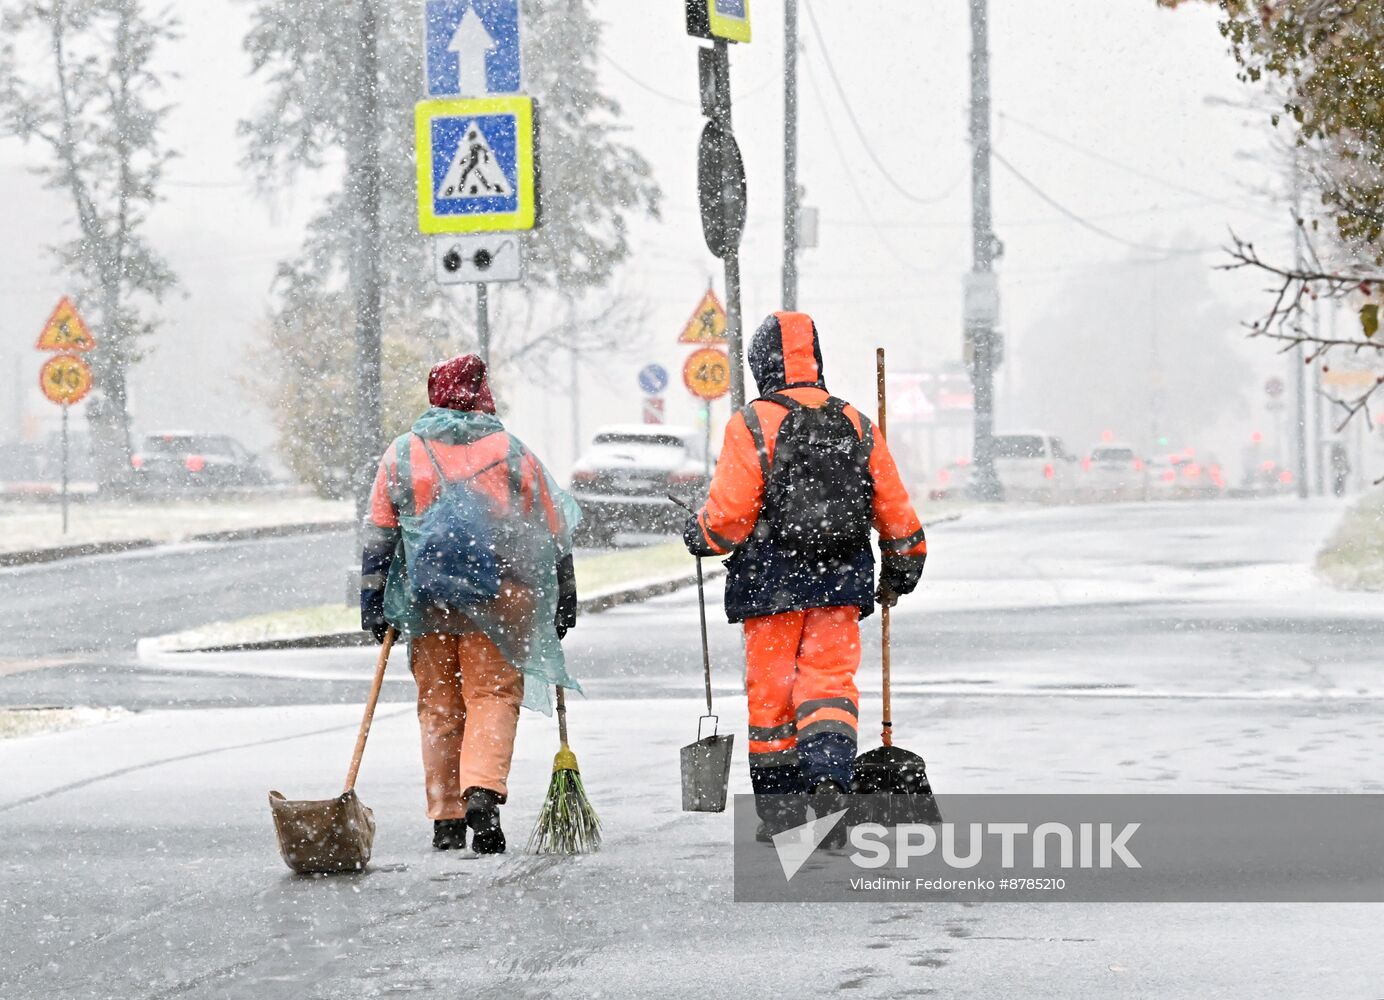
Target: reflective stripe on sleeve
{"x":902,"y":545}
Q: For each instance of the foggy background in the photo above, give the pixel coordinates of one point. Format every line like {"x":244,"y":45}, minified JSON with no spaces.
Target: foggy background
{"x":1101,"y":106}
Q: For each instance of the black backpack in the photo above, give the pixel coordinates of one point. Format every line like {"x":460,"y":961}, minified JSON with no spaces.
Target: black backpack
{"x":819,"y":498}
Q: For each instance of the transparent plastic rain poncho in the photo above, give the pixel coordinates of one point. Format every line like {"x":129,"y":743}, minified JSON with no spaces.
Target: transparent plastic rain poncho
{"x":532,"y":526}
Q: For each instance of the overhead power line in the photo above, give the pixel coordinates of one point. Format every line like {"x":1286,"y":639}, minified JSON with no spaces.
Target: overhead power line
{"x":860,"y":132}
{"x":1129,"y":168}
{"x":1088,"y":224}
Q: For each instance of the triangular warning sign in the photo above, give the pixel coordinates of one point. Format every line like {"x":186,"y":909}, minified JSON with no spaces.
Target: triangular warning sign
{"x":474,"y":173}
{"x":708,"y":322}
{"x":65,"y":331}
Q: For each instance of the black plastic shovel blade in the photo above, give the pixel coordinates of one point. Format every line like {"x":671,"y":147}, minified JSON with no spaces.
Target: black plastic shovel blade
{"x":902,"y":776}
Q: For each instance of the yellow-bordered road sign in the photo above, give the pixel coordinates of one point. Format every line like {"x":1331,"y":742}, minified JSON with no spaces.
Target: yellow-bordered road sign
{"x":707,"y":373}
{"x":707,"y":324}
{"x":65,"y":331}
{"x":728,"y":19}
{"x":477,"y":170}
{"x":65,"y":379}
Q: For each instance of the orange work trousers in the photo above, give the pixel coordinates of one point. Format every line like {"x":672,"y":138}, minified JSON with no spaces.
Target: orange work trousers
{"x":468,"y":710}
{"x":803,"y":702}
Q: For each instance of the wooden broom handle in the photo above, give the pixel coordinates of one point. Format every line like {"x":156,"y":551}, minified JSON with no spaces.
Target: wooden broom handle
{"x":380,"y":664}
{"x":561,"y":716}
{"x":887,"y":728}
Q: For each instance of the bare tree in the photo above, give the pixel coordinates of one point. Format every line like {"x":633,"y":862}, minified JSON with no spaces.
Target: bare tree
{"x":92,"y":100}
{"x":1286,"y":321}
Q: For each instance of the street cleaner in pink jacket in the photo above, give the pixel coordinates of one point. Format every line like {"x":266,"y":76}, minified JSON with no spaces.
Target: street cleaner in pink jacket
{"x":468,"y":554}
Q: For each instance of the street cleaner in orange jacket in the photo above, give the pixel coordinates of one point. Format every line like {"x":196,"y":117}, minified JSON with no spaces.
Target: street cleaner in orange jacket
{"x":468,"y":554}
{"x":802,"y":478}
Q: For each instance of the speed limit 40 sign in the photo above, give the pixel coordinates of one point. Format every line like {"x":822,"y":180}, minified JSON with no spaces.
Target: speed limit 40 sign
{"x":65,"y":379}
{"x":707,"y":374}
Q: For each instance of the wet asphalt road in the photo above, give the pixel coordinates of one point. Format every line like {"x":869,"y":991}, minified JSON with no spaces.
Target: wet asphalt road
{"x":1146,"y":648}
{"x":104,"y":604}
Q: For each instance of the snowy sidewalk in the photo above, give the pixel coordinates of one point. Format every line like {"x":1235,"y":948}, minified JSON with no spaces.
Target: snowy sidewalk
{"x":141,"y":863}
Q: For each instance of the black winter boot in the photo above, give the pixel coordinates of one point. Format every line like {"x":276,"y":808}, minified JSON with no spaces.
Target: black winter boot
{"x":483,"y":817}
{"x":778,"y":813}
{"x":449,"y":834}
{"x":827,"y":798}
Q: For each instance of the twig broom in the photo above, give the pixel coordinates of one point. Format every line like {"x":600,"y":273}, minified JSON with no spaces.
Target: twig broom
{"x":567,"y":823}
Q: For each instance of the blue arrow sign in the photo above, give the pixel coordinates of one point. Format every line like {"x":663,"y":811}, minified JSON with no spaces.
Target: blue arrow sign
{"x":653,"y":379}
{"x":472,"y":47}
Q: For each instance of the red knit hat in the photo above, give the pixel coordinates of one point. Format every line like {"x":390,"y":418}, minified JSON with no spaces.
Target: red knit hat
{"x":460,"y":384}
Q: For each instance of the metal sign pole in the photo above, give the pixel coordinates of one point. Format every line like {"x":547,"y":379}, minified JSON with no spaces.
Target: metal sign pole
{"x":483,"y":321}
{"x":64,"y":468}
{"x":734,"y":338}
{"x":706,"y":453}
{"x":790,"y":155}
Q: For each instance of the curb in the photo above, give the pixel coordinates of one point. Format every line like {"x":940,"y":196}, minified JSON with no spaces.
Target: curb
{"x":271,"y":531}
{"x":595,"y":604}
{"x":598,"y":602}
{"x":34,"y":557}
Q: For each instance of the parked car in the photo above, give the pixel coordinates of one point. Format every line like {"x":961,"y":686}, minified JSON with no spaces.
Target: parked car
{"x":951,"y":481}
{"x":1266,"y":479}
{"x":623,"y":479}
{"x":1112,"y":472}
{"x":180,"y":460}
{"x":1034,"y":467}
{"x":1181,"y":476}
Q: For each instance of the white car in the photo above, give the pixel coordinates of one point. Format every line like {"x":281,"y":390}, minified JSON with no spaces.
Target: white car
{"x":1034,"y":466}
{"x":623,"y":479}
{"x":1113,"y":472}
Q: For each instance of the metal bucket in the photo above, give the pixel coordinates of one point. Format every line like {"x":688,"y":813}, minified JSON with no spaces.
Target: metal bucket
{"x":706,"y":770}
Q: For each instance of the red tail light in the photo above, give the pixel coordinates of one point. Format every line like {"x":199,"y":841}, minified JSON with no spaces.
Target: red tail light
{"x":1138,"y":465}
{"x":684,"y":478}
{"x":583,"y":476}
{"x":1169,"y":476}
{"x":1085,"y":465}
{"x":944,"y":476}
{"x":1267,"y":465}
{"x":1285,"y":476}
{"x":195,"y":463}
{"x":1191,"y":470}
{"x":1049,"y":472}
{"x":136,"y":461}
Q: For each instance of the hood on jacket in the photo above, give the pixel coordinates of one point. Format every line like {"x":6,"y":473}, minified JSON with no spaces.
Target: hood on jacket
{"x":785,"y":353}
{"x":456,"y":426}
{"x":461,"y":384}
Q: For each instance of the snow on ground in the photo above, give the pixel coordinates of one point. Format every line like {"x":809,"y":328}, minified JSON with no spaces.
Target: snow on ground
{"x":144,"y":849}
{"x":28,"y":525}
{"x":141,"y":859}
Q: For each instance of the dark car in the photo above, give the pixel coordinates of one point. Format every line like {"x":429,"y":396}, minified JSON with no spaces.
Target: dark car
{"x":623,"y":480}
{"x":195,"y":461}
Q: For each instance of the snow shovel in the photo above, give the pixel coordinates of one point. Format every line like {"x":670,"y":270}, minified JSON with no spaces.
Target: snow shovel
{"x":328,"y":836}
{"x":705,"y":763}
{"x":889,"y":770}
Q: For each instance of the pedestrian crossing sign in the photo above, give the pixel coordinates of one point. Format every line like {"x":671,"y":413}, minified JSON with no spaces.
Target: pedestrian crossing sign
{"x":477,"y":170}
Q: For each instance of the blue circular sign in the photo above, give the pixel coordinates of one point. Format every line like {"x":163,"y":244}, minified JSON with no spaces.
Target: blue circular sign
{"x":653,"y":379}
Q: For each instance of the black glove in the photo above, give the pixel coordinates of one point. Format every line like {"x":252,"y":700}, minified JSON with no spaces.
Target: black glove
{"x":695,"y":541}
{"x":379,"y":630}
{"x":566,"y":597}
{"x":886,"y":596}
